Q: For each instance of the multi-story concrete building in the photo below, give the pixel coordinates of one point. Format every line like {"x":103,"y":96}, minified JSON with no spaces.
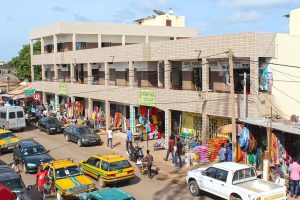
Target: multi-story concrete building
{"x":115,"y":63}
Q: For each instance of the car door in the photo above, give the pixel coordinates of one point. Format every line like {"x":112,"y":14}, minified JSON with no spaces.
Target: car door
{"x":20,"y":118}
{"x":12,"y":119}
{"x":70,"y":133}
{"x":92,"y":167}
{"x":220,"y":183}
{"x":75,"y":134}
{"x":41,"y":123}
{"x":208,"y":179}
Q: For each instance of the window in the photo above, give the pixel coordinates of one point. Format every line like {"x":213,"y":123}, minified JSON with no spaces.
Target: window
{"x":80,"y":45}
{"x":244,"y":175}
{"x":222,"y":175}
{"x":168,"y":22}
{"x":119,"y":165}
{"x":105,"y":44}
{"x":12,"y":115}
{"x":104,"y":166}
{"x":3,"y":115}
{"x":211,"y":172}
{"x":20,"y":114}
{"x":8,"y":71}
{"x":93,"y":162}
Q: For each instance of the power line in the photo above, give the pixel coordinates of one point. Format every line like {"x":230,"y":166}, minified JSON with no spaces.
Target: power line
{"x":277,"y":64}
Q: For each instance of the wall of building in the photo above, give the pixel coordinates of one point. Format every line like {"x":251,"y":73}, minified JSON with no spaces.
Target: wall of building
{"x":295,"y":21}
{"x":286,"y":80}
{"x":87,"y":38}
{"x":160,"y":20}
{"x":64,"y":38}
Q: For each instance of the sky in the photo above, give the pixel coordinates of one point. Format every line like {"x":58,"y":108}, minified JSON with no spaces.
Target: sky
{"x":210,"y":17}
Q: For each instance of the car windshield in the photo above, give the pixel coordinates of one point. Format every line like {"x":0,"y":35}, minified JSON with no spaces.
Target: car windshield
{"x":67,"y":172}
{"x":6,"y":135}
{"x":119,"y":165}
{"x":52,"y":121}
{"x":15,"y":185}
{"x":85,"y":130}
{"x":36,"y":150}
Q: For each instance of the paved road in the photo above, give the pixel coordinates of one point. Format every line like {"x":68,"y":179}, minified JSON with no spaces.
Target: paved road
{"x":158,"y":188}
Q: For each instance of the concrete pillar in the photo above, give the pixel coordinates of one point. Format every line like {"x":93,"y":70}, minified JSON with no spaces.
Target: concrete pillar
{"x":147,"y":39}
{"x":32,"y":73}
{"x":90,"y":78}
{"x":42,"y":45}
{"x":167,"y":126}
{"x":123,"y":40}
{"x":44,"y":98}
{"x":43,"y":72}
{"x":132,"y":119}
{"x":159,"y":75}
{"x":107,"y":114}
{"x":56,"y":102}
{"x":55,"y":43}
{"x":90,"y":108}
{"x":106,"y":68}
{"x":254,"y":73}
{"x":131,"y":73}
{"x":74,"y":42}
{"x":205,"y":134}
{"x":167,"y":71}
{"x":72,"y":68}
{"x":31,"y":47}
{"x":205,"y":74}
{"x":55,"y":73}
{"x":99,"y":41}
{"x":175,"y":38}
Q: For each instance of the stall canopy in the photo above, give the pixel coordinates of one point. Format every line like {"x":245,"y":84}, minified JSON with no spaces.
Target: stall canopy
{"x":228,"y":129}
{"x":280,"y":125}
{"x":18,"y":93}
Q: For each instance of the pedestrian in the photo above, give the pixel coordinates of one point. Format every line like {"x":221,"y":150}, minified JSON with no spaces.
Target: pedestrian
{"x":47,"y":187}
{"x":128,"y":138}
{"x":228,"y":153}
{"x":178,"y":153}
{"x":222,"y":153}
{"x":88,"y":122}
{"x":171,"y":145}
{"x":16,"y":165}
{"x":109,"y":137}
{"x":294,"y":178}
{"x":149,"y":160}
{"x":40,"y":178}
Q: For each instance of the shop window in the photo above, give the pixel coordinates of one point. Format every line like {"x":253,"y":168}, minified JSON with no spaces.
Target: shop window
{"x":215,"y":123}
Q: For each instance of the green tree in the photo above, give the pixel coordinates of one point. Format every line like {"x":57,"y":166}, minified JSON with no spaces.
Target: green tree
{"x":22,"y":62}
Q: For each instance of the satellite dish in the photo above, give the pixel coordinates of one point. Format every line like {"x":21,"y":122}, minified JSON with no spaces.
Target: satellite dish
{"x":159,"y":12}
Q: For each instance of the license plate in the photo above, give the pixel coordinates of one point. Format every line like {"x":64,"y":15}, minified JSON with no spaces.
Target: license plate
{"x":10,"y":147}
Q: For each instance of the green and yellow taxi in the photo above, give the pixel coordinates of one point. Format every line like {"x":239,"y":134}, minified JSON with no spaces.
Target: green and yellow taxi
{"x":67,"y":178}
{"x":107,"y":169}
{"x":7,"y":140}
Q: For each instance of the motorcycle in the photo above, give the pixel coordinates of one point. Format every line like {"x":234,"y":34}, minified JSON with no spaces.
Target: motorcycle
{"x":136,"y":153}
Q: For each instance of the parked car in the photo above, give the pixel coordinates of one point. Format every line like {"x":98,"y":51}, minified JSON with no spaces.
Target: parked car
{"x":82,"y":135}
{"x":231,"y":180}
{"x":107,"y":169}
{"x":31,"y":154}
{"x":50,"y":125}
{"x":12,"y":118}
{"x":7,"y":140}
{"x":67,"y":178}
{"x":109,"y":193}
{"x":13,"y":181}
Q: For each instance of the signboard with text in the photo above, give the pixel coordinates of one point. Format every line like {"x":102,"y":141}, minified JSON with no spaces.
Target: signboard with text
{"x":29,"y":92}
{"x":63,"y":89}
{"x":147,"y":98}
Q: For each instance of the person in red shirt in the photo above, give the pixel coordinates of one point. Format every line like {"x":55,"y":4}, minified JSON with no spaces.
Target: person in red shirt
{"x":171,"y":145}
{"x":40,"y":178}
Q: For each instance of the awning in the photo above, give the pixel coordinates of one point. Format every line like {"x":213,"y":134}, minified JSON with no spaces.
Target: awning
{"x":19,"y":96}
{"x":20,"y":89}
{"x":276,"y":124}
{"x":228,"y":129}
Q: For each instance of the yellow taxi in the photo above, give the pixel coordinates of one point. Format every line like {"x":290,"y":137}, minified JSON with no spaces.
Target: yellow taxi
{"x":67,"y":178}
{"x":107,"y":169}
{"x":7,"y":140}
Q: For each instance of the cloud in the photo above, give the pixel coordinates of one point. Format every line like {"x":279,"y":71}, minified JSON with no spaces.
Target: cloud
{"x":254,"y":3}
{"x":81,"y":18}
{"x":245,"y":17}
{"x":9,"y":18}
{"x":58,"y":9}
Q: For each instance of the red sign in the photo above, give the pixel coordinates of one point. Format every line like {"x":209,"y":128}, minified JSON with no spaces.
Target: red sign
{"x":37,"y":97}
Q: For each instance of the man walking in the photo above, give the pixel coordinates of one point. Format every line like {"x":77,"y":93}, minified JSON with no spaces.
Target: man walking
{"x":171,"y":145}
{"x":149,"y":159}
{"x":128,"y":138}
{"x":178,"y":154}
{"x":222,"y":153}
{"x":294,"y":178}
{"x":109,"y":137}
{"x":40,"y":178}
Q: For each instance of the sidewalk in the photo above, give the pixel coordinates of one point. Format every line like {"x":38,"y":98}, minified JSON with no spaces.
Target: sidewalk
{"x":165,"y":168}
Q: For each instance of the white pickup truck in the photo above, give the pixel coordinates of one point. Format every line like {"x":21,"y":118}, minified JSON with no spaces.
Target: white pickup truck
{"x":231,"y":181}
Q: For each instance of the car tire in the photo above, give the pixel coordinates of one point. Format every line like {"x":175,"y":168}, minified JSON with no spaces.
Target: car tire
{"x":101,"y":182}
{"x":67,"y":138}
{"x":79,"y":143}
{"x":25,"y":168}
{"x":235,"y":197}
{"x":193,"y":188}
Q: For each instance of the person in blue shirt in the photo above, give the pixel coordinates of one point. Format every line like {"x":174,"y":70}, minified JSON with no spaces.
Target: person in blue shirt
{"x":228,"y":153}
{"x":128,"y":138}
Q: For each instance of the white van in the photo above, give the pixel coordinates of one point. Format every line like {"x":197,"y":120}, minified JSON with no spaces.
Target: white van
{"x":12,"y":118}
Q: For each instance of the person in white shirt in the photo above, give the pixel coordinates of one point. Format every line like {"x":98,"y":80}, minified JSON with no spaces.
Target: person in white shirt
{"x":109,"y":137}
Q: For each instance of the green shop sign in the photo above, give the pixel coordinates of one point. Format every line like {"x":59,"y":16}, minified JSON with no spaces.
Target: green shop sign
{"x":29,"y":92}
{"x":63,"y":89}
{"x":147,"y":98}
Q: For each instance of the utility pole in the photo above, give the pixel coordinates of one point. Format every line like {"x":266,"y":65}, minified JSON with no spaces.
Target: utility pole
{"x":232,"y":105}
{"x":7,"y":87}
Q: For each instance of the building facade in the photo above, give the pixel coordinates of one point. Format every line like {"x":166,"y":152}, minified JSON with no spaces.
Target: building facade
{"x":186,"y":74}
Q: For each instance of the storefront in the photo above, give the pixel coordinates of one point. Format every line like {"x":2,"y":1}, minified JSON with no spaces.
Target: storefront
{"x":98,"y":114}
{"x":119,"y":116}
